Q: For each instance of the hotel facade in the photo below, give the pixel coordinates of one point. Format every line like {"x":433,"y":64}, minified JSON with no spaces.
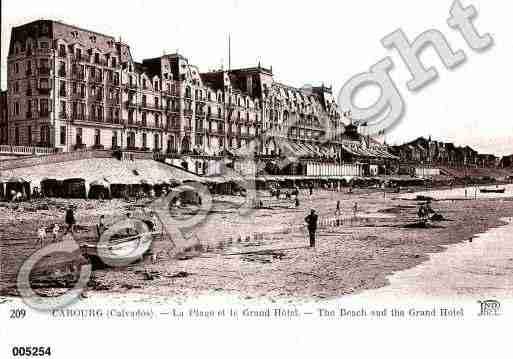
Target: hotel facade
{"x":74,"y":89}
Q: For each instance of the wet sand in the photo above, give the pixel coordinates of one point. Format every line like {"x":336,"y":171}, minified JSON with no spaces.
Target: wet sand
{"x":359,"y":255}
{"x":481,"y":268}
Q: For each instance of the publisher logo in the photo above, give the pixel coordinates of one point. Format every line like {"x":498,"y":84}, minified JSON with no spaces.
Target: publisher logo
{"x":489,"y":307}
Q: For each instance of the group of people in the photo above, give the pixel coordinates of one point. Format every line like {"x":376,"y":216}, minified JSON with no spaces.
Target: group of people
{"x":69,"y":219}
{"x":424,"y":211}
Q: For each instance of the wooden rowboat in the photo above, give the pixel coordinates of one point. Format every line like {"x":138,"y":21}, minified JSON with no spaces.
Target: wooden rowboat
{"x":120,"y":251}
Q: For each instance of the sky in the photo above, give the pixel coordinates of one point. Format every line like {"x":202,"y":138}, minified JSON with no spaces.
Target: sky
{"x":315,"y":42}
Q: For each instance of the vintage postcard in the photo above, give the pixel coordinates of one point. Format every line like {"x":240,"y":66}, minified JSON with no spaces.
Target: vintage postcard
{"x":243,"y":178}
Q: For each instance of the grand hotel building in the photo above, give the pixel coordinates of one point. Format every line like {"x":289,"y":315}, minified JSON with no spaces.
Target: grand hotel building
{"x":70,"y":89}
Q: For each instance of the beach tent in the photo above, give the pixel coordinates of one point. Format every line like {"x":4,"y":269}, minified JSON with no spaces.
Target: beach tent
{"x":119,"y":190}
{"x":50,"y":187}
{"x":99,"y":189}
{"x":17,"y":184}
{"x":74,"y":188}
{"x":146,"y":185}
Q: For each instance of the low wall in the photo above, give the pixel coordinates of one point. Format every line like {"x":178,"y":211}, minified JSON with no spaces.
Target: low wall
{"x":53,"y":158}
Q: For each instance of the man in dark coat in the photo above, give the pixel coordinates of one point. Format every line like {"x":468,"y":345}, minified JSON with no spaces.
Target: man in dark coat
{"x":311,"y":221}
{"x":70,"y":219}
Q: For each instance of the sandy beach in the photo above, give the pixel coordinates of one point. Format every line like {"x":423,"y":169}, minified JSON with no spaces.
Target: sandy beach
{"x":349,"y":258}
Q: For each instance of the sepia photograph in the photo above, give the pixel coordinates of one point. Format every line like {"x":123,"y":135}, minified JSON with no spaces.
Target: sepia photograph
{"x":282,"y":175}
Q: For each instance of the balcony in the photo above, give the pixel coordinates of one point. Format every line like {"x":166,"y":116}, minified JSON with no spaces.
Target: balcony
{"x":151,"y":107}
{"x":170,"y":93}
{"x":113,"y":101}
{"x":78,"y":117}
{"x":172,"y":128}
{"x":96,"y":79}
{"x":187,"y":112}
{"x":78,"y":95}
{"x":79,"y":76}
{"x":130,"y":104}
{"x":98,"y":146}
{"x":78,"y":58}
{"x":44,"y":71}
{"x":98,"y":98}
{"x":113,"y":81}
{"x":187,"y":129}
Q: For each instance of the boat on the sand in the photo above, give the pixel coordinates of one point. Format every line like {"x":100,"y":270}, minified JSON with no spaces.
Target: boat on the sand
{"x":121,"y":249}
{"x":492,"y":190}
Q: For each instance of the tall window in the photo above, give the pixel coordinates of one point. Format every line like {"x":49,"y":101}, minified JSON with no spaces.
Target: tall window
{"x":79,"y":136}
{"x":63,"y":109}
{"x":63,"y":135}
{"x":130,"y":116}
{"x":114,"y":139}
{"x":17,"y":136}
{"x":97,"y":137}
{"x":43,"y":106}
{"x":29,"y":135}
{"x":156,"y":141}
{"x":144,"y":140}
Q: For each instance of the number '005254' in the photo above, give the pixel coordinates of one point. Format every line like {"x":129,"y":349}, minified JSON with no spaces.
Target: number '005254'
{"x":28,"y":351}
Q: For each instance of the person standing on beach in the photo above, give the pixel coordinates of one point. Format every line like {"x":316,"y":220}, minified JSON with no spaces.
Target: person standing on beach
{"x":311,"y":225}
{"x":41,"y":235}
{"x":55,"y":232}
{"x":70,"y":219}
{"x":355,"y":209}
{"x":337,"y":210}
{"x":100,"y":227}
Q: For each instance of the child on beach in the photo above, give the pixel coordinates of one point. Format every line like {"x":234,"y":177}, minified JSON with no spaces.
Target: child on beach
{"x":41,"y":235}
{"x":55,"y":232}
{"x":337,"y":210}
